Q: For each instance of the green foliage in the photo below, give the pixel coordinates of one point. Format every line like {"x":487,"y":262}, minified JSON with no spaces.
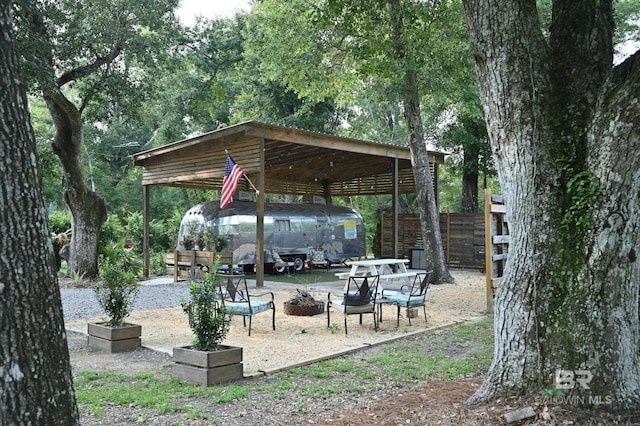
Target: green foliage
{"x":468,"y":137}
{"x":133,"y":228}
{"x":343,"y":50}
{"x":194,"y":233}
{"x":50,"y":166}
{"x":111,"y":231}
{"x":157,"y":264}
{"x":118,"y":286}
{"x":626,"y":14}
{"x":77,"y":279}
{"x":128,"y":260}
{"x":450,"y":189}
{"x":208,"y":319}
{"x":333,"y":328}
{"x":213,"y":242}
{"x":162,"y":235}
{"x":129,"y":226}
{"x":60,"y":221}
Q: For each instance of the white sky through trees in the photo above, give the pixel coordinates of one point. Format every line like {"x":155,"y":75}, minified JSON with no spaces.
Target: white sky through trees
{"x":190,"y":9}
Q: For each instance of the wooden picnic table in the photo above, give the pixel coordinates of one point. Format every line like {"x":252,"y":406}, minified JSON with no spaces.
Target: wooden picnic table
{"x":388,"y":269}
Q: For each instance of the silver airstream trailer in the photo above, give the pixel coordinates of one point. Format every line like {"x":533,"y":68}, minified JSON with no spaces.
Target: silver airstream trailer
{"x":293,"y":233}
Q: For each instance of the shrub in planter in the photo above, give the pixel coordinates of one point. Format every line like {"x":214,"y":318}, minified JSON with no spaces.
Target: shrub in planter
{"x":208,"y":320}
{"x":207,"y":361}
{"x":116,"y":291}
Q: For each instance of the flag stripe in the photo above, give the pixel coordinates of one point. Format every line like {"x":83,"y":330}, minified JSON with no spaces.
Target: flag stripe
{"x":232,"y":175}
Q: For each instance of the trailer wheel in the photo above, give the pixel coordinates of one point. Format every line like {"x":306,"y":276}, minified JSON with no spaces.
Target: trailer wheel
{"x":280,"y":269}
{"x":298,"y":264}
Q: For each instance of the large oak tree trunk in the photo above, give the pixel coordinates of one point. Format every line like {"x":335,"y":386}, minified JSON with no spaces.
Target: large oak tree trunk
{"x":36,"y":384}
{"x":565,"y":135}
{"x":425,"y":193}
{"x":88,"y":210}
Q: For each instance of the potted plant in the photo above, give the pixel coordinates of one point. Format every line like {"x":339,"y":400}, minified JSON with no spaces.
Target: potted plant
{"x":206,"y":361}
{"x":116,"y":293}
{"x":212,"y":241}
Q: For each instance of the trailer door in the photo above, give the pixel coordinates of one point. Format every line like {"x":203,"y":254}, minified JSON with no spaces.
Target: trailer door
{"x":323,"y":232}
{"x":281,"y":232}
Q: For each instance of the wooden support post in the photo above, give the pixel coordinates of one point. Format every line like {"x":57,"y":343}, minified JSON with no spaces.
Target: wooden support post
{"x":448,"y":237}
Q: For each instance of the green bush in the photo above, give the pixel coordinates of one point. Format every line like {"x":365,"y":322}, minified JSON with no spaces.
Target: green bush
{"x":130,"y":226}
{"x":208,"y":320}
{"x":112,"y":230}
{"x":133,"y":229}
{"x":157,"y":264}
{"x":60,"y":221}
{"x":116,"y":291}
{"x":128,"y":260}
{"x":163,"y":235}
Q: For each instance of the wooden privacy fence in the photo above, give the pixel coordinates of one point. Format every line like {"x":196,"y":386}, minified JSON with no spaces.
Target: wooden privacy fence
{"x":462,"y":237}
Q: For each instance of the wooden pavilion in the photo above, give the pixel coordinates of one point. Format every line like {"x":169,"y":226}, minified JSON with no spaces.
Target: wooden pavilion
{"x":279,"y":160}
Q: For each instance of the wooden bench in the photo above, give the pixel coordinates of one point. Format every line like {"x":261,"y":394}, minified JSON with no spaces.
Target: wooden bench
{"x":399,"y":275}
{"x":184,"y":261}
{"x":407,"y":277}
{"x":346,"y":275}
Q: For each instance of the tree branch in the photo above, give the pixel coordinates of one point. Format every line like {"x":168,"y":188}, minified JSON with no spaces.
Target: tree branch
{"x":89,"y":69}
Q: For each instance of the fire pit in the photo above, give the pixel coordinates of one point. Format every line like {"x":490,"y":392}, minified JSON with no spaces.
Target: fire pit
{"x":303,"y":304}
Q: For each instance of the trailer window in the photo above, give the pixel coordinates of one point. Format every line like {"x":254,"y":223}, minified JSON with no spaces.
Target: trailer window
{"x":282,"y":225}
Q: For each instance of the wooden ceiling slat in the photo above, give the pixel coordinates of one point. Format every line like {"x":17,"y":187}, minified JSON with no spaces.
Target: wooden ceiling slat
{"x":296,"y":162}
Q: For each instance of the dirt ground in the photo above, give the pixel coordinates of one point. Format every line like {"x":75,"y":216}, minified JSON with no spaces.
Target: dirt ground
{"x":298,"y":340}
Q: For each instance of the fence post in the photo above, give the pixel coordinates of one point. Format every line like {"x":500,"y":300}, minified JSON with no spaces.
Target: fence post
{"x":448,"y":237}
{"x":488,"y":249}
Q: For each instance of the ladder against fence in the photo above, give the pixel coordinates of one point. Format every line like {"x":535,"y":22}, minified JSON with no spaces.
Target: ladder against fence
{"x":497,"y":239}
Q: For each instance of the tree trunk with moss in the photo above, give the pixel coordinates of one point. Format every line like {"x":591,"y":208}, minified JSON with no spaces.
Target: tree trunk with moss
{"x":36,"y":386}
{"x":425,"y":193}
{"x":564,"y":130}
{"x":88,"y":209}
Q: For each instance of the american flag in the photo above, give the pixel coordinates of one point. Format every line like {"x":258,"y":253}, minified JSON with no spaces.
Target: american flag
{"x":232,"y":174}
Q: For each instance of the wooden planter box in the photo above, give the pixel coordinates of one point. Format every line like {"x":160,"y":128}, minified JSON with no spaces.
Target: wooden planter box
{"x":208,"y":367}
{"x":114,"y":339}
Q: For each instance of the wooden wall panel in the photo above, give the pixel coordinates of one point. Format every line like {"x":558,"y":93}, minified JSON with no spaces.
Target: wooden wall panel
{"x":462,"y":237}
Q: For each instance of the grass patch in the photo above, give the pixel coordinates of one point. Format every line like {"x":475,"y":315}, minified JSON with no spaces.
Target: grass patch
{"x":459,"y":351}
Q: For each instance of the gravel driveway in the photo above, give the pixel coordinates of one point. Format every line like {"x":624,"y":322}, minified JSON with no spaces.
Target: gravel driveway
{"x":80,"y":303}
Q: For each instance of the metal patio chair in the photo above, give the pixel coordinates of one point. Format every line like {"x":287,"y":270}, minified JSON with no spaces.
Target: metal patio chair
{"x":412,"y":296}
{"x":236,"y":299}
{"x":359,"y":298}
